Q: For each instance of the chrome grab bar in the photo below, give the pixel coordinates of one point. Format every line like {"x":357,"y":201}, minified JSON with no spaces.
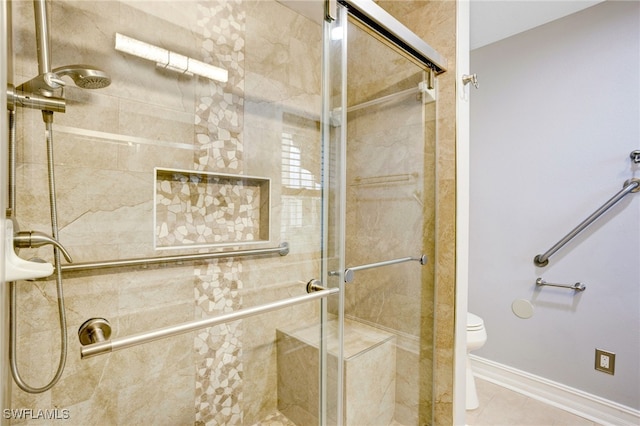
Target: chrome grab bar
{"x":106,"y":346}
{"x":282,"y":250}
{"x":577,"y":286}
{"x":631,"y":185}
{"x":349,"y":272}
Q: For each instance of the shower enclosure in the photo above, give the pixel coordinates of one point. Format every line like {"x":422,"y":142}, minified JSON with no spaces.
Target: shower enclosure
{"x":248,"y":210}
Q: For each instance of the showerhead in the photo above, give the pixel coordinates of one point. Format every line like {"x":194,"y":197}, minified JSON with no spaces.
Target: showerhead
{"x":84,"y":76}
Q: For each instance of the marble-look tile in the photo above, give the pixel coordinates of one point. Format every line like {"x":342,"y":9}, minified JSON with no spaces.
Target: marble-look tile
{"x":371,"y":401}
{"x":36,"y":307}
{"x":100,"y":183}
{"x":165,"y":398}
{"x":275,"y":419}
{"x":259,"y":345}
{"x":407,"y":386}
{"x":98,"y":409}
{"x":367,"y":399}
{"x":394,"y":220}
{"x":441,"y":35}
{"x":297,"y":379}
{"x":35,"y":370}
{"x":281,"y":96}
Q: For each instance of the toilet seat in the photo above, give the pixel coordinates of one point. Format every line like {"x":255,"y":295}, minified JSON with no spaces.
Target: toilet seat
{"x":474,"y":322}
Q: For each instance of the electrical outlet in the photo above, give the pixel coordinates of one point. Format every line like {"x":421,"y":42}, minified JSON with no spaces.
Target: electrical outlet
{"x":605,"y":361}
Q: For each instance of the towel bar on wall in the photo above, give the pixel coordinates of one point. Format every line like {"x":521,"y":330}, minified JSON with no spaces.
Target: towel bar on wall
{"x":577,"y":286}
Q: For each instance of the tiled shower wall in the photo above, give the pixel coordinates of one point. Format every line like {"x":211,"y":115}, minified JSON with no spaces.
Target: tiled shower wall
{"x":440,"y":33}
{"x":390,"y":206}
{"x":219,"y":146}
{"x":107,"y":146}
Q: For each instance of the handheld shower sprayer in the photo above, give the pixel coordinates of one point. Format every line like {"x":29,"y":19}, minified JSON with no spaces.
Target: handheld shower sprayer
{"x":44,"y":91}
{"x":84,"y":76}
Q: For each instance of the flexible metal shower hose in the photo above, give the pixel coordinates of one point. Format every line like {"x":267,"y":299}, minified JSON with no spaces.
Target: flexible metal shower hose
{"x":48,"y":118}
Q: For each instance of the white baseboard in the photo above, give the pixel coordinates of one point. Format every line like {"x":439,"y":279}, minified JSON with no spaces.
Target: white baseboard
{"x":575,"y":401}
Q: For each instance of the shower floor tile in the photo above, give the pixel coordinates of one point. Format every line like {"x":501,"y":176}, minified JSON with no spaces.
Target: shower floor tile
{"x":275,"y":419}
{"x":279,"y":419}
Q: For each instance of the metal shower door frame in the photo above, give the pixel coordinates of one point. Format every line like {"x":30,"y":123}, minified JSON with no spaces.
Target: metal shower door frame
{"x":5,"y":384}
{"x":383,"y":26}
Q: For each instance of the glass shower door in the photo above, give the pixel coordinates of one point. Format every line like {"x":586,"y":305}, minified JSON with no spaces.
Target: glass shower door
{"x":166,"y":162}
{"x":390,"y":156}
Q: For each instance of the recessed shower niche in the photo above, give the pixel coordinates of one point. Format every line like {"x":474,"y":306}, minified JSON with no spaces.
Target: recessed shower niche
{"x":202,"y":209}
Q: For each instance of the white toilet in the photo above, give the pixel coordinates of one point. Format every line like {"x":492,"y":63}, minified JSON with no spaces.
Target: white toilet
{"x":476,"y":338}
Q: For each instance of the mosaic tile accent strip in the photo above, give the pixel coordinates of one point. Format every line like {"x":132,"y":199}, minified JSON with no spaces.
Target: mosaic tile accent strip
{"x":219,"y":114}
{"x":219,"y":148}
{"x":198,"y":208}
{"x":218,"y":349}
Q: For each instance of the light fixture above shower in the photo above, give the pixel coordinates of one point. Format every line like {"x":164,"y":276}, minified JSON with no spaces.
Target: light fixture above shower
{"x":167,"y":59}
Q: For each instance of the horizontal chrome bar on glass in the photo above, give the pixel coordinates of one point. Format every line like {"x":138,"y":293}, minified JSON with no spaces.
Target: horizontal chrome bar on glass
{"x":113,"y":345}
{"x":577,"y":286}
{"x":282,"y":250}
{"x":631,"y":185}
{"x":349,"y":272}
{"x":379,"y":20}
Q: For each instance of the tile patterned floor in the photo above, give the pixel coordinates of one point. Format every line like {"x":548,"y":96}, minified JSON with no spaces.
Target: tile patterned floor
{"x":502,"y":407}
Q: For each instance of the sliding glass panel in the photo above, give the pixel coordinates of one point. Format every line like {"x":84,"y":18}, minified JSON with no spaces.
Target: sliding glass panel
{"x":209,"y":138}
{"x":390,"y":215}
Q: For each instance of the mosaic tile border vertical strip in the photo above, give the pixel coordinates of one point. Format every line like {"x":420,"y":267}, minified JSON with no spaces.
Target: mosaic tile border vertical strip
{"x":219,"y":148}
{"x":219,"y":110}
{"x":219,"y":369}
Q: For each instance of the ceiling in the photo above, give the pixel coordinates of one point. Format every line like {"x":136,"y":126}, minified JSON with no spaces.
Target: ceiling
{"x":493,"y":20}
